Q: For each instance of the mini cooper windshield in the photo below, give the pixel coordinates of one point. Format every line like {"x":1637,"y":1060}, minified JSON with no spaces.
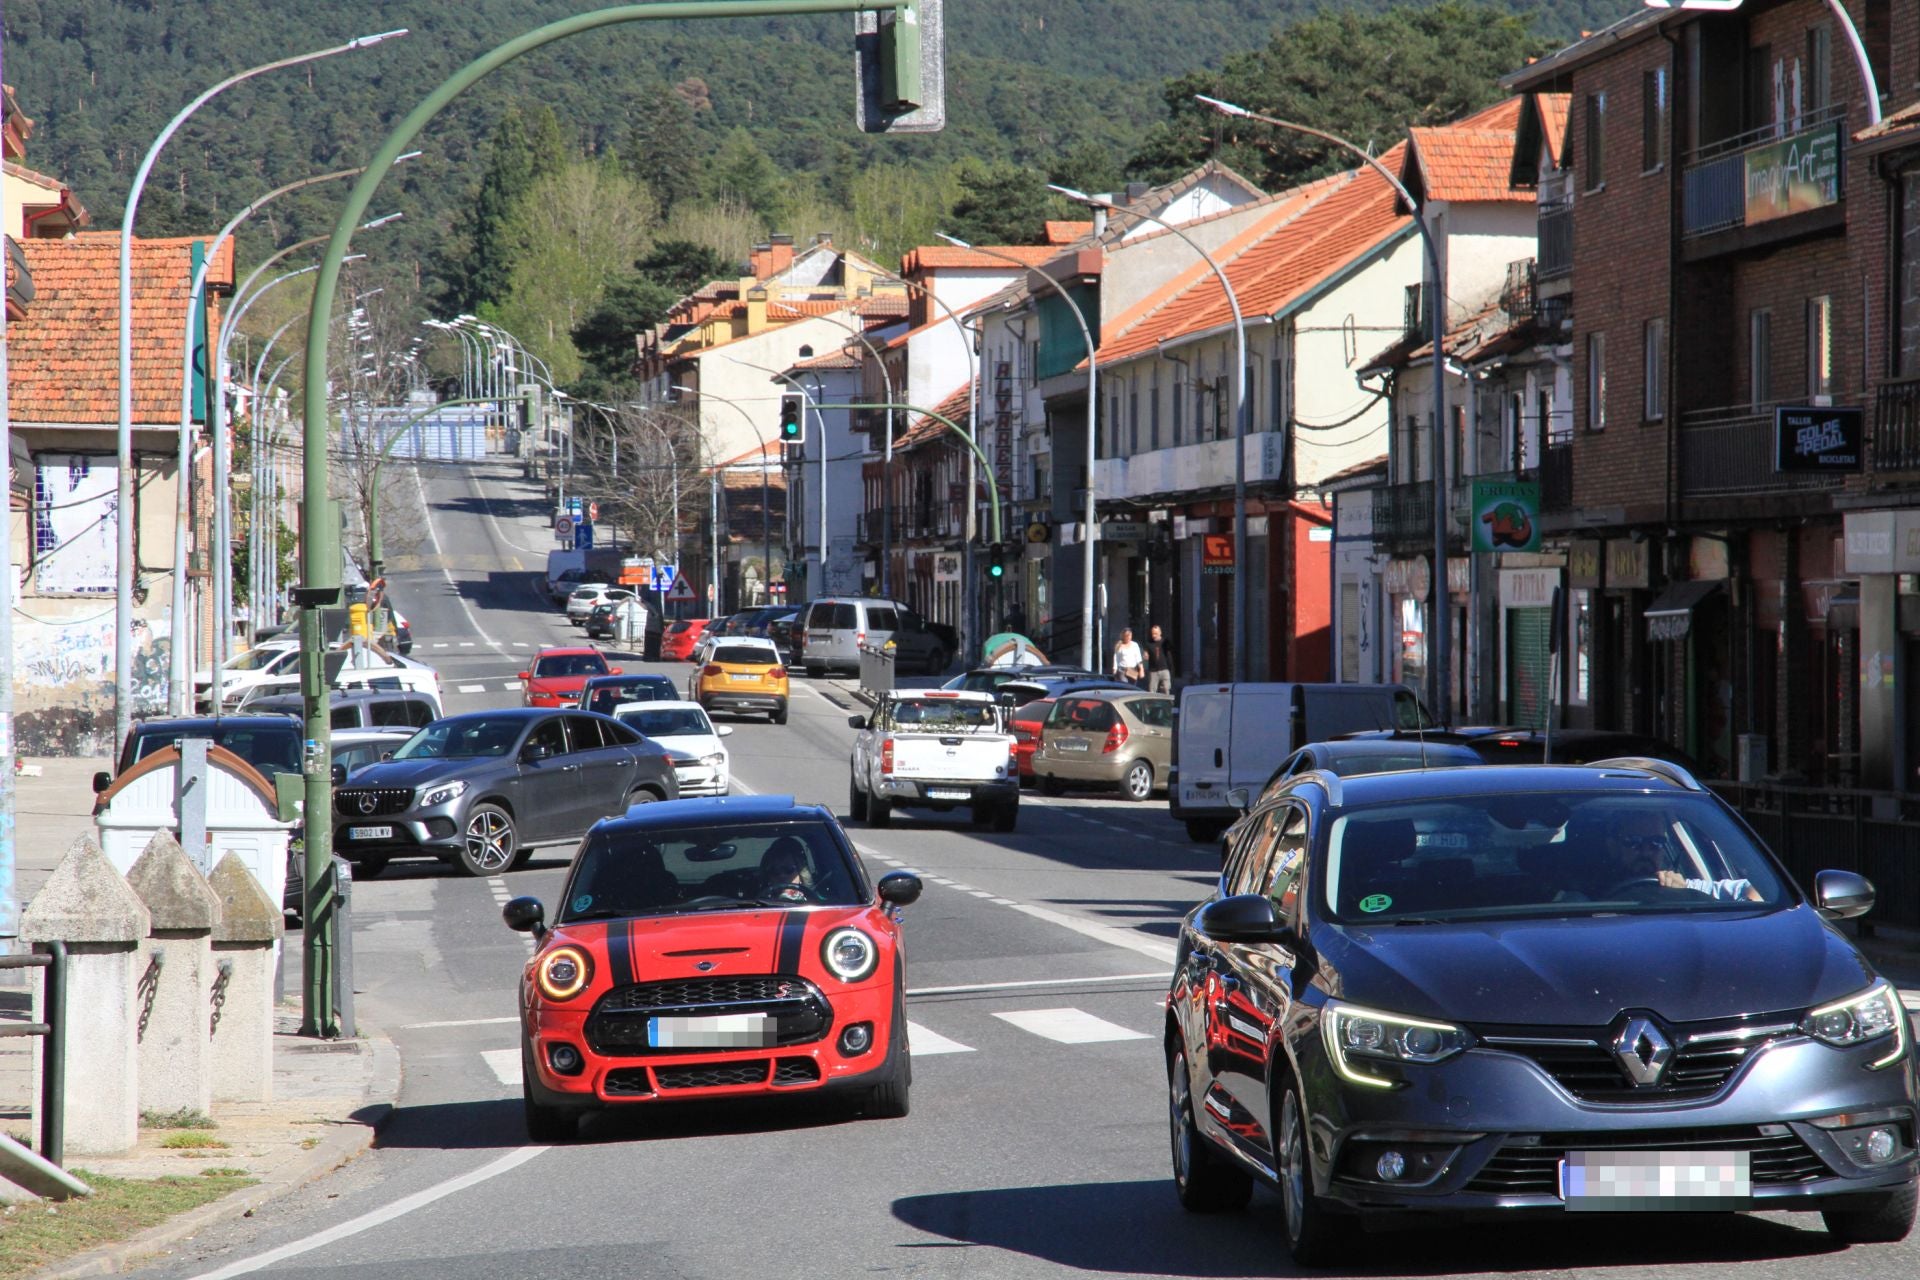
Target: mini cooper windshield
{"x":463,"y":738}
{"x":712,"y":867}
{"x":1485,"y":857}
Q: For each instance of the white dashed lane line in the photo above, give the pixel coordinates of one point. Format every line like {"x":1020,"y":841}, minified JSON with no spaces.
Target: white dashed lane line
{"x":471,"y":688}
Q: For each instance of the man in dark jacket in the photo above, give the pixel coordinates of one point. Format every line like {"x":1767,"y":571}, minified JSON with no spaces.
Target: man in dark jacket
{"x":1159,"y":661}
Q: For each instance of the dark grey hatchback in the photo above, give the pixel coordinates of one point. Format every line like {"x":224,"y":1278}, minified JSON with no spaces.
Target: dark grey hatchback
{"x":1509,"y":989}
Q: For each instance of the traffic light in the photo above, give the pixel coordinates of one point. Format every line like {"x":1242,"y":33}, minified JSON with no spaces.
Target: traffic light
{"x":996,"y":561}
{"x":793,"y":420}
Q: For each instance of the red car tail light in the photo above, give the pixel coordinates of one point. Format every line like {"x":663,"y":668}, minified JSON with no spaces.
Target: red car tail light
{"x":776,"y":673}
{"x":711,"y":669}
{"x":886,"y":756}
{"x":1116,"y":737}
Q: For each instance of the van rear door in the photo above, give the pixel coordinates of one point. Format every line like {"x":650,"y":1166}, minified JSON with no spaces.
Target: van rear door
{"x":1202,"y":736}
{"x":1262,"y":734}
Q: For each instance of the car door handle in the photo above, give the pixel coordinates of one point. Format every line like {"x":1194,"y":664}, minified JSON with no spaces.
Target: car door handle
{"x":569,"y":768}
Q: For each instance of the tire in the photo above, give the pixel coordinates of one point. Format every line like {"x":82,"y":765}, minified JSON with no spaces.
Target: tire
{"x":546,"y":1125}
{"x":778,"y":717}
{"x":1310,"y":1229}
{"x":856,"y":801}
{"x":1202,"y":1179}
{"x":1887,"y":1221}
{"x":1006,"y":817}
{"x":1138,"y":784}
{"x":640,"y":795}
{"x":490,"y":841}
{"x":879,"y":811}
{"x":891,"y":1099}
{"x":521,"y":857}
{"x":1050,"y":785}
{"x":369,"y":868}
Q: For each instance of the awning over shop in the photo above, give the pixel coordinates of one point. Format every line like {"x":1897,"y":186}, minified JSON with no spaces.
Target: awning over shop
{"x":1671,"y":614}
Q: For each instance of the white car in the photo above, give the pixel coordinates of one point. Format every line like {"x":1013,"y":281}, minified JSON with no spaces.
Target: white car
{"x":701,"y":764}
{"x":585,"y":597}
{"x":248,"y":669}
{"x":364,"y":669}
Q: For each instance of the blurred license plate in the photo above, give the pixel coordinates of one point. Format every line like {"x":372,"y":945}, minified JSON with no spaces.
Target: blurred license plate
{"x":949,"y":793}
{"x":744,"y":679}
{"x":1638,"y":1181}
{"x":1071,"y":744}
{"x":719,"y":1031}
{"x":369,"y":833}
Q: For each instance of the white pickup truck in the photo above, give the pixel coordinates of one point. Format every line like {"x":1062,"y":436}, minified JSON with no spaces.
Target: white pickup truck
{"x":935,"y":749}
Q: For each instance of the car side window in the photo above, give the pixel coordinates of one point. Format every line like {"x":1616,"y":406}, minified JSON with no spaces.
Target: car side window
{"x":549,"y":734}
{"x":844,"y":618}
{"x":583,"y":734}
{"x":880,"y":618}
{"x":1252,"y":874}
{"x":419,"y":715}
{"x":910,"y":621}
{"x":620,"y":735}
{"x":347,"y":717}
{"x":1289,"y":864}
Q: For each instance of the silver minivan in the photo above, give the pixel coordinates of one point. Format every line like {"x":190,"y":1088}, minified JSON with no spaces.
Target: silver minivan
{"x":834,"y":628}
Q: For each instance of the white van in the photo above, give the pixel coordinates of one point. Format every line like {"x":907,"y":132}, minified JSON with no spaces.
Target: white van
{"x":1235,"y":735}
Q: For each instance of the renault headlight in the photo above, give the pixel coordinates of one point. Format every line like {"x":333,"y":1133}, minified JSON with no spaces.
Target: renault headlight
{"x":1874,"y":1013}
{"x":563,"y":973}
{"x":1354,"y":1036}
{"x":849,"y":954}
{"x":441,"y":792}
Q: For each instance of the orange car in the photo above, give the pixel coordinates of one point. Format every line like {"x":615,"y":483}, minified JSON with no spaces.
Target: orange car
{"x":743,"y":675}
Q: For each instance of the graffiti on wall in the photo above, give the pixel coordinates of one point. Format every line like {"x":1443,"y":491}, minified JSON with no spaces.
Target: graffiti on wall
{"x":63,"y":681}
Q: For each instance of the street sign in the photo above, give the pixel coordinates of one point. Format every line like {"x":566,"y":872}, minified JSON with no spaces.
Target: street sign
{"x":664,"y":575}
{"x":563,"y":528}
{"x":593,"y":511}
{"x":573,"y":504}
{"x":582,"y":535}
{"x":681,"y":592}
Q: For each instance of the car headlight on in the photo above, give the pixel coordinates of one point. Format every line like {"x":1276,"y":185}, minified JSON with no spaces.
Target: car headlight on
{"x":1354,"y":1036}
{"x":715,"y":760}
{"x":441,"y":792}
{"x":1874,"y":1013}
{"x":563,"y":973}
{"x":849,"y":954}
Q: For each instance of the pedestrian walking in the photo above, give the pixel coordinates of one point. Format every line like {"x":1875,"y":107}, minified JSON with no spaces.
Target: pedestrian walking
{"x":1128,"y":662}
{"x":1159,"y":660}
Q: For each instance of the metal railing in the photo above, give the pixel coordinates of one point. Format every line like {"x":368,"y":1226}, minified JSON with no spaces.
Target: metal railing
{"x":1516,"y":297}
{"x":1556,"y":240}
{"x":1896,"y":426}
{"x":866,"y":525}
{"x":1404,"y":512}
{"x":1813,"y":829}
{"x":1714,"y":182}
{"x":1414,"y":323}
{"x":1728,"y":452}
{"x":53,"y":1042}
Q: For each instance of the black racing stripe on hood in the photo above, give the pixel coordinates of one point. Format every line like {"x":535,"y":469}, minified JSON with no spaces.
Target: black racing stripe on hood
{"x":620,"y":953}
{"x":793,"y":928}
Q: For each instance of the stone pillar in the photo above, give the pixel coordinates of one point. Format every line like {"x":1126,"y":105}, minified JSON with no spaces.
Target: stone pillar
{"x":243,"y":964}
{"x":89,"y":906}
{"x":176,"y":981}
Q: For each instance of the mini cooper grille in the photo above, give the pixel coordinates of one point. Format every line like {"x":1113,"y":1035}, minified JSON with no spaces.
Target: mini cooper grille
{"x":628,"y":1082}
{"x":712,"y":1075}
{"x":796,"y":1071}
{"x":372,"y":802}
{"x":1530,"y":1168}
{"x":1589,"y":1071}
{"x":618,"y":1023}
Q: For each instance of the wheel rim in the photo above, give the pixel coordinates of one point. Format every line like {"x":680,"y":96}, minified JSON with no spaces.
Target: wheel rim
{"x":639,"y":797}
{"x":1179,"y":1113}
{"x":1139,"y":781}
{"x":490,"y":840}
{"x":1293,"y":1172}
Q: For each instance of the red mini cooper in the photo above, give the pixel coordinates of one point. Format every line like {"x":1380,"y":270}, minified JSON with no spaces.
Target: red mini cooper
{"x":708,"y":949}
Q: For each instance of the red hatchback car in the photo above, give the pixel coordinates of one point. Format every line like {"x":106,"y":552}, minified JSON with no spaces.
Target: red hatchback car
{"x":681,"y":635}
{"x":557,"y":676}
{"x":710,"y":949}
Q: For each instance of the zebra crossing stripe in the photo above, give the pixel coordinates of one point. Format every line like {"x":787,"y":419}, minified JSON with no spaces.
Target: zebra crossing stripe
{"x":926,"y":1044}
{"x":1068,"y":1026}
{"x":505,"y":1065}
{"x":471,"y":688}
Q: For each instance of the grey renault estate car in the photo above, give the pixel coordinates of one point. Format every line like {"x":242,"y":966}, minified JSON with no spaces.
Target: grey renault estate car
{"x":1501,"y":990}
{"x":480,"y":790}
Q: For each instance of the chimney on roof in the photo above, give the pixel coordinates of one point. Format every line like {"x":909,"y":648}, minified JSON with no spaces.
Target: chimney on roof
{"x":1137,"y":191}
{"x":1099,"y":220}
{"x":781,"y":253}
{"x":756,"y":310}
{"x":759,"y":261}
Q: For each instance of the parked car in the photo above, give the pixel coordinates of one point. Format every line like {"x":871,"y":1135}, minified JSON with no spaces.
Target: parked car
{"x":361,"y":669}
{"x":783,"y":629}
{"x":354,"y":748}
{"x":934,"y":749}
{"x":606,"y":694}
{"x":681,"y":884}
{"x":1228,"y":736}
{"x":1106,"y":738}
{"x":249,"y":667}
{"x":701,"y":762}
{"x":557,"y":675}
{"x":1498,"y":990}
{"x":358,"y":708}
{"x":679,"y":638}
{"x":480,"y":790}
{"x":588,"y":594}
{"x":837,"y":627}
{"x":270,"y":743}
{"x":744,"y":675}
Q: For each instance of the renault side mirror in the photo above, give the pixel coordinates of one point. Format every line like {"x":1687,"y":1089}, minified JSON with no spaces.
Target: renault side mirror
{"x":1244,"y":917}
{"x":1842,"y":895}
{"x":525,"y":915}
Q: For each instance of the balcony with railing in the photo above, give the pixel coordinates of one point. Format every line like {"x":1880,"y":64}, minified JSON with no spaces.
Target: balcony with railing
{"x":867,"y":526}
{"x":1556,"y":240}
{"x":1404,"y":512}
{"x":1896,"y":426}
{"x":1773,"y":173}
{"x":1729,"y":453}
{"x":1414,"y":324}
{"x":1517,"y":296}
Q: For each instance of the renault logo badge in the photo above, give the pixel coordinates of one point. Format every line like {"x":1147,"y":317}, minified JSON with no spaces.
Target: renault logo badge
{"x":1643,"y":1051}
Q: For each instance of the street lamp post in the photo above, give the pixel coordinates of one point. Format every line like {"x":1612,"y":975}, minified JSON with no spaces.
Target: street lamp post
{"x":1439,"y":676}
{"x":820,"y":422}
{"x":766,"y":508}
{"x":1087,"y":655}
{"x":123,"y":585}
{"x":1239,"y":420}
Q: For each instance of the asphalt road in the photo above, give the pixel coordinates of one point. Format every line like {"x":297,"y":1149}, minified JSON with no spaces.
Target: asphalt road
{"x":1037,"y":1142}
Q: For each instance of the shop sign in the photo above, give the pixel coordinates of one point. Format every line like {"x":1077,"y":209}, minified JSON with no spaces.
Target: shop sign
{"x":1506,"y":515}
{"x":1794,"y":175}
{"x":1707,"y":559}
{"x":1882,"y":542}
{"x":1123,"y":531}
{"x":1826,"y":441}
{"x":1627,"y":564}
{"x":1409,"y":577}
{"x":1527,"y":588}
{"x":1216,"y":553}
{"x":946,"y":566}
{"x":1583,"y":562}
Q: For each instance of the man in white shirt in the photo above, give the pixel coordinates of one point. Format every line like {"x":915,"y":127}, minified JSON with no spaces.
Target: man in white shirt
{"x":1128,"y":662}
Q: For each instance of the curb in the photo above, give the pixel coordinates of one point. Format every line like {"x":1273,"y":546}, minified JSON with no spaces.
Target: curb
{"x":355,"y":1135}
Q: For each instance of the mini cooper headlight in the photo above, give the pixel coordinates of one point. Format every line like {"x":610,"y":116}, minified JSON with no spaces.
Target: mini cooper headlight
{"x":1353,"y":1034}
{"x":563,"y":973}
{"x":1873,"y":1013}
{"x":441,"y":792}
{"x":849,"y":954}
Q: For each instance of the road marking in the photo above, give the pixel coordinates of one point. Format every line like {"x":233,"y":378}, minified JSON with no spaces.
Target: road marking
{"x":458,"y":1022}
{"x":1155,"y":947}
{"x":1002,"y":986}
{"x":513,"y":686}
{"x":980,"y":893}
{"x":1067,"y":1026}
{"x":1003,"y":902}
{"x":505,"y":1065}
{"x":466,"y":644}
{"x":471,"y":688}
{"x":385,"y":1214}
{"x":521,"y":644}
{"x":922,"y":1043}
{"x":439,"y":644}
{"x":432,"y":534}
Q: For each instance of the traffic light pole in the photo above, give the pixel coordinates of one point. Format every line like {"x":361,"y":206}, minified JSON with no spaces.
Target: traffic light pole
{"x":320,"y":544}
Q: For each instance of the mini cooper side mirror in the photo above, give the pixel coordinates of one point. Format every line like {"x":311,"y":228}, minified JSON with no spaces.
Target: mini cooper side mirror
{"x":1239,"y":798}
{"x":857,"y":722}
{"x":1244,"y":917}
{"x":1842,"y":895}
{"x":901,"y":888}
{"x":525,"y":915}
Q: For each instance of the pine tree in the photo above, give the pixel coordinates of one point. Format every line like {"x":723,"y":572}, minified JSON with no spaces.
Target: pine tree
{"x":524,"y":148}
{"x":661,"y":144}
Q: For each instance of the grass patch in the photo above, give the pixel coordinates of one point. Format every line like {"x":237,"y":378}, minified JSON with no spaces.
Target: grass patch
{"x":35,"y":1235}
{"x":223,"y":1171}
{"x":192,"y":1140}
{"x":185,"y":1118}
